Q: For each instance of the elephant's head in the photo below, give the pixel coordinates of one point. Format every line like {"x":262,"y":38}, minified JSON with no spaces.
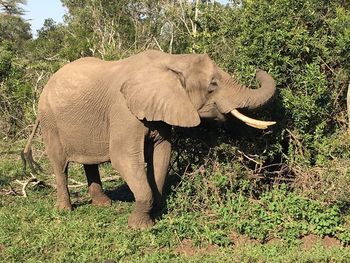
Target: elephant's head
{"x":181,"y":89}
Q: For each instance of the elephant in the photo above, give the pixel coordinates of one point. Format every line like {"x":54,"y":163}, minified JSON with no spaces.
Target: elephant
{"x":93,"y":111}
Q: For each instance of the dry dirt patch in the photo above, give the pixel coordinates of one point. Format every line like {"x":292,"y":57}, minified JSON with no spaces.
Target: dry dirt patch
{"x":311,"y":240}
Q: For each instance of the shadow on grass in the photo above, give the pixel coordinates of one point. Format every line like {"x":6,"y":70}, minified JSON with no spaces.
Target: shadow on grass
{"x":121,"y":193}
{"x":79,"y":199}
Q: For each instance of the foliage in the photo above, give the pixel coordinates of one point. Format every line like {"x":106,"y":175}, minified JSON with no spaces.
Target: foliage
{"x":13,"y":27}
{"x":224,"y":195}
{"x":302,"y":44}
{"x":11,"y":7}
{"x":14,"y":91}
{"x":14,"y":88}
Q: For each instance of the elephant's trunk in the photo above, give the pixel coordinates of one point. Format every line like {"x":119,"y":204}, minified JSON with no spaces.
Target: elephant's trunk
{"x":243,"y":97}
{"x":254,"y":98}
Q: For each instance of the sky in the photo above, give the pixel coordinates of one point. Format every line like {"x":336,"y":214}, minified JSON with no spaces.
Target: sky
{"x":39,"y":10}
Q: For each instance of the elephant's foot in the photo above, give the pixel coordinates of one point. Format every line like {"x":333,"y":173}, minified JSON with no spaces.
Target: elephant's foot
{"x":140,"y":221}
{"x":64,"y":205}
{"x":101,"y":200}
{"x":98,"y":196}
{"x":140,"y":217}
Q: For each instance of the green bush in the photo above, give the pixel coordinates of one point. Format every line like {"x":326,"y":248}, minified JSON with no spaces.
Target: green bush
{"x":229,"y":202}
{"x":303,"y":45}
{"x":15,"y":94}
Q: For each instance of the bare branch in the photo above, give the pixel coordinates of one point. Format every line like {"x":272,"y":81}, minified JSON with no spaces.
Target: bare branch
{"x":155,"y":40}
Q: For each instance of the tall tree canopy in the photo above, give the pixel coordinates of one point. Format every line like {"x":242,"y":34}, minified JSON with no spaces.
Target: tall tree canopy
{"x":11,"y":7}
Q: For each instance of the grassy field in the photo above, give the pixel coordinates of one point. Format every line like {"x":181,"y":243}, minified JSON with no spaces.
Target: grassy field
{"x":201,"y":223}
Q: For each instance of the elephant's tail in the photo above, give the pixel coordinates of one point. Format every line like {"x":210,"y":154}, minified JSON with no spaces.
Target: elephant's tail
{"x":26,"y":154}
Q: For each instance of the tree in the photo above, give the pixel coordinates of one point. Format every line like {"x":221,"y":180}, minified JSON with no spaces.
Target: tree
{"x":48,"y":45}
{"x":13,"y":27}
{"x":14,"y":89}
{"x":98,"y":28}
{"x":10,"y":7}
{"x":113,"y":30}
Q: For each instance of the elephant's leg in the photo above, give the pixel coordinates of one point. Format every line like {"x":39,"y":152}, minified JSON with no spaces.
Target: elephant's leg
{"x":131,"y":168}
{"x":127,"y":157}
{"x":59,"y":163}
{"x":126,"y":153}
{"x":157,"y":168}
{"x":95,"y":186}
{"x":63,"y":198}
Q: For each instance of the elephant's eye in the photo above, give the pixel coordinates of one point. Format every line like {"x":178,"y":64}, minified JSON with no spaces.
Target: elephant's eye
{"x":214,"y":82}
{"x":213,"y":85}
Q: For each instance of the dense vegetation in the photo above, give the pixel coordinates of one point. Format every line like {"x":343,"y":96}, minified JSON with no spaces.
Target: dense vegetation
{"x":282,"y":184}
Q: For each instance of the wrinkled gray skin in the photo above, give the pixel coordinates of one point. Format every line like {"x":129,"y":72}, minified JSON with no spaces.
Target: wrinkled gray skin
{"x":92,"y":111}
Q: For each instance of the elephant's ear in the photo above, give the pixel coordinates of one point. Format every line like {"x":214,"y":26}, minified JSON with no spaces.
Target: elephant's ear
{"x":158,"y":94}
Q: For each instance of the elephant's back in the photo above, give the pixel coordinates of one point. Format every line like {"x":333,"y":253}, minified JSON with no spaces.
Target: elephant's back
{"x":76,"y":85}
{"x":75,"y":78}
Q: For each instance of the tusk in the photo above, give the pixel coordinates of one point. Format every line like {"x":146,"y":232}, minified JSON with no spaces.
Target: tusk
{"x":252,"y":122}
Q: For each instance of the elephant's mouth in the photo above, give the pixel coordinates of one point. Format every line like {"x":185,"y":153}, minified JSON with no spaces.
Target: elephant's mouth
{"x":210,"y":110}
{"x":252,"y":122}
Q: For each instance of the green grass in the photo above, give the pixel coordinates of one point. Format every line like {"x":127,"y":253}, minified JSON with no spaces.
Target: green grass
{"x":205,"y":210}
{"x":31,"y":230}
